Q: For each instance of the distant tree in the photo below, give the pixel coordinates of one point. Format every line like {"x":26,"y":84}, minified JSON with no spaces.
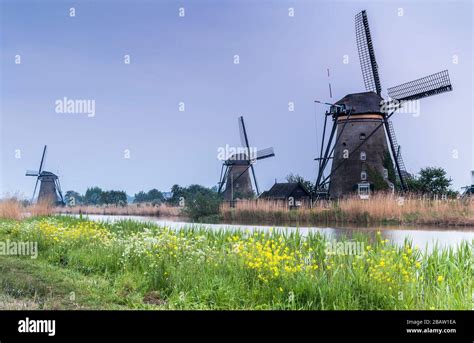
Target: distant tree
{"x":113,"y":198}
{"x":201,"y":202}
{"x":198,"y":201}
{"x":431,"y":180}
{"x":377,"y":180}
{"x":73,"y":198}
{"x":153,"y":196}
{"x":105,"y":198}
{"x":140,"y":197}
{"x":119,"y":198}
{"x":93,"y":196}
{"x":178,"y":193}
{"x":196,"y":189}
{"x":295,"y":178}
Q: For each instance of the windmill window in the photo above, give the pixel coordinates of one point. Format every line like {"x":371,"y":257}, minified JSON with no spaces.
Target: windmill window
{"x":344,"y":144}
{"x":385,"y":173}
{"x":364,"y":190}
{"x":362,"y":136}
{"x":362,"y":156}
{"x":363,"y":176}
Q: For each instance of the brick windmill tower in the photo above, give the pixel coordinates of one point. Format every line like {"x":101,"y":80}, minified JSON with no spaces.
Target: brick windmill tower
{"x":362,"y":144}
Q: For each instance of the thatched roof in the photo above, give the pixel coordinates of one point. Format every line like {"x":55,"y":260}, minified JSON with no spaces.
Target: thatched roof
{"x":284,"y":190}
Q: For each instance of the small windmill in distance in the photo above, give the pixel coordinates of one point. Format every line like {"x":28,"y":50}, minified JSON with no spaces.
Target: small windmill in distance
{"x":235,"y":176}
{"x":50,"y":188}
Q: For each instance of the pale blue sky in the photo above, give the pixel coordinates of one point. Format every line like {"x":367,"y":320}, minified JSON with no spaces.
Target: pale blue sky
{"x":190,"y":59}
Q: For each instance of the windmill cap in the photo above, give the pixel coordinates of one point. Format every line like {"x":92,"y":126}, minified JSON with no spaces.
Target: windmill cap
{"x":362,"y":103}
{"x":48,"y":174}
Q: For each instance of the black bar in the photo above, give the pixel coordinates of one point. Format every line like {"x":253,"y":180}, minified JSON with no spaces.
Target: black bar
{"x":239,"y":323}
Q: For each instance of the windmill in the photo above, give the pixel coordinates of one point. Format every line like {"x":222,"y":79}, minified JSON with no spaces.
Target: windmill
{"x":235,"y":176}
{"x":361,"y":159}
{"x":50,"y":189}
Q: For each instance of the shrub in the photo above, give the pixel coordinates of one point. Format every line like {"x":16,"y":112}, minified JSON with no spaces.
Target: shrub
{"x":202,"y":205}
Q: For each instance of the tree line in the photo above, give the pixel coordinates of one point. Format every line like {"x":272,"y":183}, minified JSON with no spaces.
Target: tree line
{"x":179,"y":196}
{"x":96,"y":196}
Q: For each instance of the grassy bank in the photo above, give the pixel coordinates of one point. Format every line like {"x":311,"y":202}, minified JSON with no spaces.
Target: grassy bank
{"x":379,"y":209}
{"x":83,"y":264}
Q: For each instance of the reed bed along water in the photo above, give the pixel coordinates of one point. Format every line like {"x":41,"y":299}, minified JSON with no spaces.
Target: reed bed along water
{"x":14,"y":209}
{"x":130,"y":210}
{"x":127,"y":264}
{"x":379,"y":209}
{"x":10,"y":209}
{"x":40,"y":209}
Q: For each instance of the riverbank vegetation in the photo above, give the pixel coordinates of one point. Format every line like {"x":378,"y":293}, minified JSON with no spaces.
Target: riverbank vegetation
{"x":128,"y":265}
{"x":431,"y":201}
{"x":206,"y":206}
{"x":381,"y":208}
{"x":147,"y":210}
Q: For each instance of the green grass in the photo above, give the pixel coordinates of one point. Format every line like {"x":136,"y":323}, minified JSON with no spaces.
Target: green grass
{"x":131,"y":265}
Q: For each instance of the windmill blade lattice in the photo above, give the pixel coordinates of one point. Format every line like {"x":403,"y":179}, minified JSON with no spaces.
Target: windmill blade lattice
{"x":365,"y":47}
{"x":421,"y":88}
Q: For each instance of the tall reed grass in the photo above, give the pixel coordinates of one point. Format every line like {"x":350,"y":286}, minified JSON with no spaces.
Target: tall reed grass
{"x":43,"y":208}
{"x":132,"y":210}
{"x":10,"y":209}
{"x":380,"y":208}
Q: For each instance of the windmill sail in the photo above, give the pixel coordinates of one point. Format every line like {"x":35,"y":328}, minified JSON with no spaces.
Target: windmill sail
{"x":365,"y":47}
{"x":43,"y":159}
{"x":255,"y":180}
{"x":397,"y":154}
{"x":243,"y":133}
{"x":34,"y":191}
{"x":426,"y":86}
{"x":265,"y":153}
